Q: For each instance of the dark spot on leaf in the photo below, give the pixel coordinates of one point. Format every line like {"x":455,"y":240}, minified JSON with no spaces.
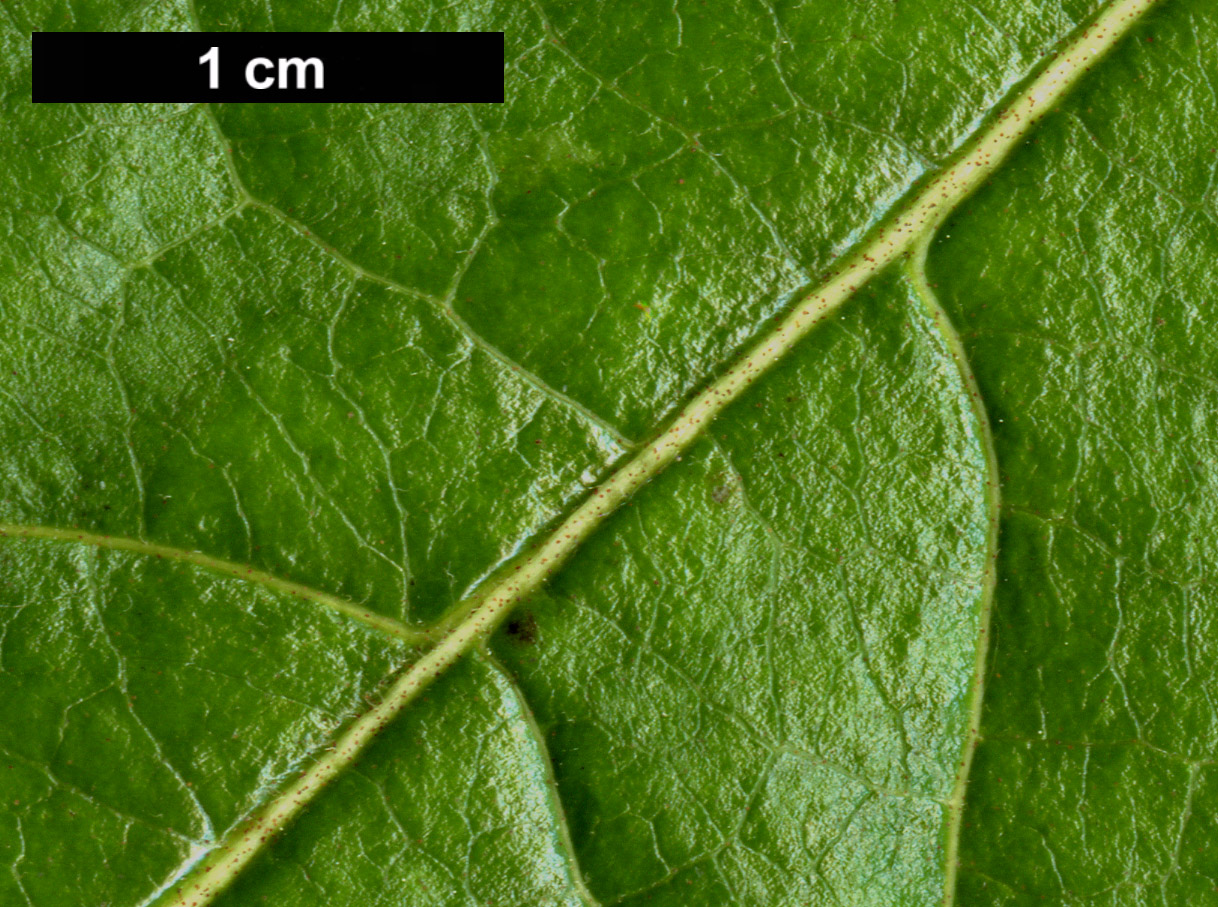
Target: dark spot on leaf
{"x":522,"y":628}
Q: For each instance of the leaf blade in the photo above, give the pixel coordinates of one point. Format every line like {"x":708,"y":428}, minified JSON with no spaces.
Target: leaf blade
{"x":291,"y":450}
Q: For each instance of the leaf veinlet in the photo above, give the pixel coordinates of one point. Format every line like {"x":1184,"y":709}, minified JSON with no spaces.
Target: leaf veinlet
{"x":896,"y":237}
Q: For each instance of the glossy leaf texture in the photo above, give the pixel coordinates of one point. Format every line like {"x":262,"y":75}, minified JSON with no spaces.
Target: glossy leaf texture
{"x":1091,"y":331}
{"x":376,"y":351}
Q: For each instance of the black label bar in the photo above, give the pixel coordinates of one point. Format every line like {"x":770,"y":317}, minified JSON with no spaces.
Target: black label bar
{"x":276,"y":67}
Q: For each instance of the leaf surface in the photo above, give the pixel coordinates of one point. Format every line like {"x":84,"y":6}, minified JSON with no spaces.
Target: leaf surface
{"x":319,"y":371}
{"x":1092,"y":334}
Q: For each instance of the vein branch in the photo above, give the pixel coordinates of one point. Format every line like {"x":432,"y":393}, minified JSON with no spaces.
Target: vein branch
{"x":915,"y":271}
{"x":558,"y":815}
{"x":225,"y":568}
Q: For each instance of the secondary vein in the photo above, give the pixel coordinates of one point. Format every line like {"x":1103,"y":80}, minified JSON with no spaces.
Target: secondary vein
{"x":896,"y":237}
{"x":244,"y":572}
{"x":954,"y":806}
{"x":557,"y":814}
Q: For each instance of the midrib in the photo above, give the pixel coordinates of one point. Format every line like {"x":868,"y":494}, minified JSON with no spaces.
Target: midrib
{"x":900,"y":234}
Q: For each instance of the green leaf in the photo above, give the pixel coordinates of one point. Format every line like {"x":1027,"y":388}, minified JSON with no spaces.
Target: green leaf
{"x":293,"y":398}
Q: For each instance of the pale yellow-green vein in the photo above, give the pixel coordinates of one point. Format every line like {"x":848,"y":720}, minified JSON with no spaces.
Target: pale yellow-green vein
{"x":244,"y":572}
{"x":954,"y":806}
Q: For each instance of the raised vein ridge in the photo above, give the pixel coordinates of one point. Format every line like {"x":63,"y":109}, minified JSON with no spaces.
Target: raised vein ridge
{"x":915,"y":271}
{"x":557,"y":813}
{"x":245,"y":572}
{"x":897,"y":236}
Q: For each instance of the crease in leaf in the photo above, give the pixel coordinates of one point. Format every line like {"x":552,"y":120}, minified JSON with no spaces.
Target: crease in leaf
{"x":1091,"y":333}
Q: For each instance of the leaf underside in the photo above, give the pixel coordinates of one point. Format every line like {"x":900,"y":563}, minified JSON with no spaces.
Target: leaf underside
{"x":377,"y":350}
